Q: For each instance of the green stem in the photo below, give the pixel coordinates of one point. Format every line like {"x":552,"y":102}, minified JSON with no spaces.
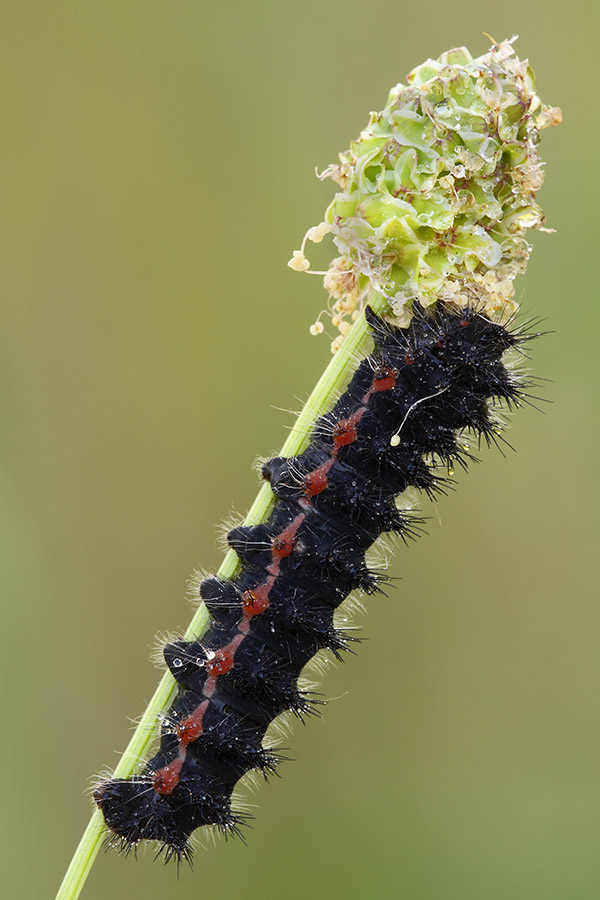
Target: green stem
{"x":319,"y":401}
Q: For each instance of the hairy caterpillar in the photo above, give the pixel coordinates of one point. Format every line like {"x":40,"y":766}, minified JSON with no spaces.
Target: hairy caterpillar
{"x":435,"y":199}
{"x":397,"y":422}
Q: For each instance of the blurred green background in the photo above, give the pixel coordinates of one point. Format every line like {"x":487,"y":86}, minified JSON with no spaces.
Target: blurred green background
{"x":157,"y":171}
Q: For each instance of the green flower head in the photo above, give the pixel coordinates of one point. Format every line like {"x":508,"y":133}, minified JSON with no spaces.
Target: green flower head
{"x":438,"y":191}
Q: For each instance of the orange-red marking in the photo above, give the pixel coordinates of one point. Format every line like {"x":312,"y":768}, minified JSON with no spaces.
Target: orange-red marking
{"x":316,"y":481}
{"x":255,"y":601}
{"x":189,"y":729}
{"x":384,"y":378}
{"x":166,"y":779}
{"x":283,"y":544}
{"x":344,"y":431}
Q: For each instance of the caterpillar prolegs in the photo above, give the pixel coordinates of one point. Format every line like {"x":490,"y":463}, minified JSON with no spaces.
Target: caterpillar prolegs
{"x":398,"y":422}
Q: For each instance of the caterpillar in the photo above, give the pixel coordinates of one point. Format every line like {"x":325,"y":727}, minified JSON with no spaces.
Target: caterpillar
{"x":400,"y":420}
{"x":436,"y":196}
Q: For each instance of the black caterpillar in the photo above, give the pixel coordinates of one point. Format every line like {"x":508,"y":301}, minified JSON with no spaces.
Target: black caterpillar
{"x":406,"y":401}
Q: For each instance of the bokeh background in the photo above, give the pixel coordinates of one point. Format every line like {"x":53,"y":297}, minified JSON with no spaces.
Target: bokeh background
{"x":157,"y":167}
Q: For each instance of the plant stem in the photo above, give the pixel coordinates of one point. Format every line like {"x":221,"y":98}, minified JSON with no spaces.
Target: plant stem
{"x":320,"y":399}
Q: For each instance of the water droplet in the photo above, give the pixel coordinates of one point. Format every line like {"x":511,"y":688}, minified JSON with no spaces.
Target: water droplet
{"x":177,"y":663}
{"x":450,"y":469}
{"x":529,"y":218}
